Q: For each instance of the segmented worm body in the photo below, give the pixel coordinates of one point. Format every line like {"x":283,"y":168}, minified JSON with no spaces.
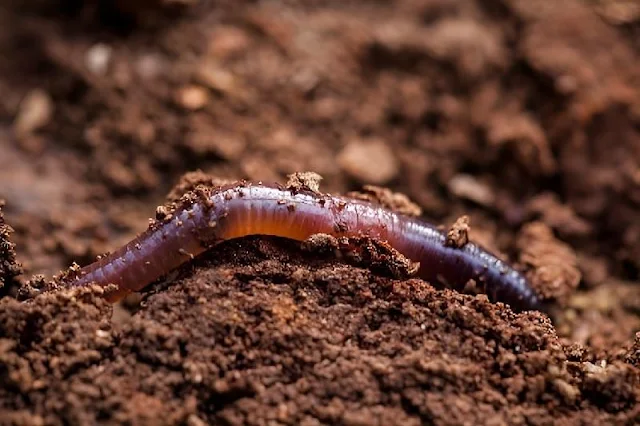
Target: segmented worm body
{"x":236,"y":211}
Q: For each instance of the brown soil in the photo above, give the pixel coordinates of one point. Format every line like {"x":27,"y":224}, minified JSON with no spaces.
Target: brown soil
{"x":523,"y":116}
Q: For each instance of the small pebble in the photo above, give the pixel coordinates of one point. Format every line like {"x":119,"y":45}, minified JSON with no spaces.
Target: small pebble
{"x":192,"y":97}
{"x":216,"y":78}
{"x":98,"y":57}
{"x":470,"y":188}
{"x":35,"y":112}
{"x":369,"y":161}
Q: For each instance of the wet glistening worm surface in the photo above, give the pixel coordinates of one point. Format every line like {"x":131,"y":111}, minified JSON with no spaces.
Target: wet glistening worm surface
{"x":227,"y":212}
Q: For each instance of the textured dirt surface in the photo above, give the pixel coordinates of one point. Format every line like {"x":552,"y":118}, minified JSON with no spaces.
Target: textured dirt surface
{"x":9,"y":268}
{"x":523,"y":117}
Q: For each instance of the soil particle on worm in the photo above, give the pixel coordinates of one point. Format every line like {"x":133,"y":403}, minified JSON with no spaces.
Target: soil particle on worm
{"x":458,"y":234}
{"x":304,"y":181}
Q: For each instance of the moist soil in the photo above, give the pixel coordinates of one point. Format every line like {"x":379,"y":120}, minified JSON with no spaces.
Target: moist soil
{"x":518,"y":121}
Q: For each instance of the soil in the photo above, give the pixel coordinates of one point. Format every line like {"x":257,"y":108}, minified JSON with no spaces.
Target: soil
{"x":512,"y":123}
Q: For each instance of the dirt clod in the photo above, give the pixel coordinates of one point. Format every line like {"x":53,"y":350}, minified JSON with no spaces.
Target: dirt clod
{"x":458,"y":234}
{"x":304,"y":181}
{"x":555,"y":273}
{"x":9,"y":268}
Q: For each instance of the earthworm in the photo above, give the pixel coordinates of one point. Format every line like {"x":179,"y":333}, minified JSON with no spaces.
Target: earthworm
{"x":223,"y":213}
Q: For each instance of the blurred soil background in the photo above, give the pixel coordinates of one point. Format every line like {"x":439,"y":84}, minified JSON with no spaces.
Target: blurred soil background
{"x":524,"y":115}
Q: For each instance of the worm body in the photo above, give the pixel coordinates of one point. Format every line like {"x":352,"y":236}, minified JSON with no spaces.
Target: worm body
{"x":237,"y":211}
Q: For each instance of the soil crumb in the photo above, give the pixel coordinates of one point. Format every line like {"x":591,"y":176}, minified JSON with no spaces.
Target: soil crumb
{"x":190,"y":181}
{"x":9,"y":268}
{"x":458,"y":234}
{"x":304,"y":181}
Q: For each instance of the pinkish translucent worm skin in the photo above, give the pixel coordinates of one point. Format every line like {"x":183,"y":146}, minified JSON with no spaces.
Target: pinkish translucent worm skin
{"x":237,"y":211}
